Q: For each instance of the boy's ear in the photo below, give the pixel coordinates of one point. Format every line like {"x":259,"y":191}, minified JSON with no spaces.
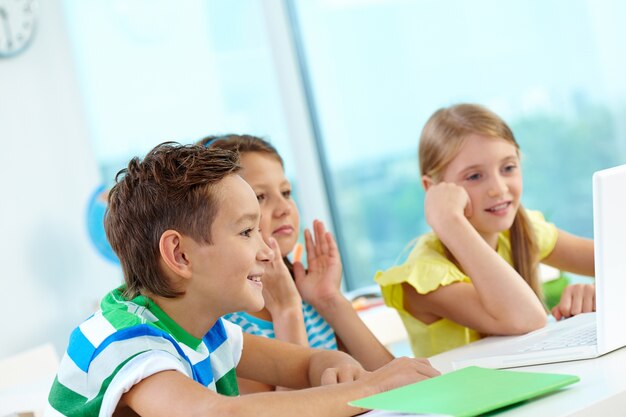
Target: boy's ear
{"x":427,"y":182}
{"x":173,"y":253}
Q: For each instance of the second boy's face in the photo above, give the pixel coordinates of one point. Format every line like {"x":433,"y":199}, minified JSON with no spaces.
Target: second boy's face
{"x":489,"y":170}
{"x":279,"y":214}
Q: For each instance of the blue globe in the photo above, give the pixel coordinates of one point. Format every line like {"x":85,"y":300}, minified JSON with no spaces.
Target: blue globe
{"x":95,"y":224}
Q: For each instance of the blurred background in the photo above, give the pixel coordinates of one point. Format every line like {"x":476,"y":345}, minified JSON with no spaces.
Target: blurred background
{"x":341,"y":87}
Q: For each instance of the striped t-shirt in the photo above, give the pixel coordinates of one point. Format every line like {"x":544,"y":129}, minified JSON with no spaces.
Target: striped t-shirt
{"x":319,"y":333}
{"x":128,"y":341}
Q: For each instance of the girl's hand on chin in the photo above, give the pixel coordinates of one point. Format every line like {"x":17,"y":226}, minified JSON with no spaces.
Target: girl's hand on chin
{"x":279,"y":289}
{"x":444,"y":202}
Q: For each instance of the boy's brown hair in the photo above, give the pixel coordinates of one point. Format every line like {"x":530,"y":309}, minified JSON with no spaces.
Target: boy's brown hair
{"x":173,"y":187}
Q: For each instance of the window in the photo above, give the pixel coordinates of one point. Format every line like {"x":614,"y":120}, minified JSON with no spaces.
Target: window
{"x":374,"y":71}
{"x":152,"y":71}
{"x":157,"y":70}
{"x":378,"y":69}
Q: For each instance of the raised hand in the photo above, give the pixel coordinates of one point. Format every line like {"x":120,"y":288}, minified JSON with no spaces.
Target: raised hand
{"x":279,"y":290}
{"x":319,"y":285}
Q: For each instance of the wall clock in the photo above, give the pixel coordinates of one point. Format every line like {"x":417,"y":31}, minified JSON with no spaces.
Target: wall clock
{"x":18,"y":20}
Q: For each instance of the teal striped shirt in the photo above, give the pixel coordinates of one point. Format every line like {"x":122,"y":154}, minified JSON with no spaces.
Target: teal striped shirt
{"x":129,"y":340}
{"x":319,"y":333}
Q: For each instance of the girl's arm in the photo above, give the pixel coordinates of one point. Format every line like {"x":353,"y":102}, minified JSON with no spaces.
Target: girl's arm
{"x":498,"y":301}
{"x":356,"y":337}
{"x":573,"y":254}
{"x":320,"y":288}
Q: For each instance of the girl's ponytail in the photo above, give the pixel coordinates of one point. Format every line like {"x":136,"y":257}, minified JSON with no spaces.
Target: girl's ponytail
{"x":524,"y":250}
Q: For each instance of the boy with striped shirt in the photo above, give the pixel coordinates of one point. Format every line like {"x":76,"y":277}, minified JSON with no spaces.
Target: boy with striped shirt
{"x":185,"y":227}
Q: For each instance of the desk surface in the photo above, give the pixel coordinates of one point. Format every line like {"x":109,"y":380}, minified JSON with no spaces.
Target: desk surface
{"x":600,"y":392}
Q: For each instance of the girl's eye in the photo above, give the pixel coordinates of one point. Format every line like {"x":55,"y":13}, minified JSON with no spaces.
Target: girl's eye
{"x":287,"y":194}
{"x":473,"y":177}
{"x":510,"y":168}
{"x":260,"y":197}
{"x":247,"y":232}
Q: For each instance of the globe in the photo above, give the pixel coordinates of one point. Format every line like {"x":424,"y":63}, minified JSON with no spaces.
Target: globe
{"x":95,"y":224}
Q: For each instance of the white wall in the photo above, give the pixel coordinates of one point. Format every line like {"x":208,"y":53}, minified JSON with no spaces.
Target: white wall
{"x":51,"y":276}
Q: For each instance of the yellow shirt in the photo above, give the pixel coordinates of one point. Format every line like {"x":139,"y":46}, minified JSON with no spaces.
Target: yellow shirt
{"x":427,"y":268}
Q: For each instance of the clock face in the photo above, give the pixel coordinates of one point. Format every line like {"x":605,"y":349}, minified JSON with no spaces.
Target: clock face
{"x":17,"y":25}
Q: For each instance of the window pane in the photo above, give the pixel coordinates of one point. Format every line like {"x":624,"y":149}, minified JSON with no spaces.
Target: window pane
{"x":378,"y":69}
{"x":158,"y":70}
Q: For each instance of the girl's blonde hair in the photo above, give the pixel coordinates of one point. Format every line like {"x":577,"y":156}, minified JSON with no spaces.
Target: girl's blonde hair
{"x":442,"y":138}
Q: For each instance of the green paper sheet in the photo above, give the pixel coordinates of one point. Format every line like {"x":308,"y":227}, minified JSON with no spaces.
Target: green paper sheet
{"x":467,"y":392}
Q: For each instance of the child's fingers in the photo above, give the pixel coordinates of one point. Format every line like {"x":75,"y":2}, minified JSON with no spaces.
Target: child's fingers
{"x":468,"y":207}
{"x":333,"y":250}
{"x":587,"y":305}
{"x":299,"y":273}
{"x":309,"y":245}
{"x":318,"y":229}
{"x":582,"y":296}
{"x":556,"y":313}
{"x":565,"y":305}
{"x":594,"y":299}
{"x":577,"y":305}
{"x":589,"y":299}
{"x":323,"y":239}
{"x":341,"y":374}
{"x":273,"y":244}
{"x":329,"y":377}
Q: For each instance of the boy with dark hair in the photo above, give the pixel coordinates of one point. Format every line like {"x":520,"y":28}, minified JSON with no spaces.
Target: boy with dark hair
{"x":186,"y":229}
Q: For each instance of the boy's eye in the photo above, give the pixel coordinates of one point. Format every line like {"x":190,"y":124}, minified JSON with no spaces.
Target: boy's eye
{"x":260,"y":197}
{"x":247,"y":232}
{"x":287,"y":193}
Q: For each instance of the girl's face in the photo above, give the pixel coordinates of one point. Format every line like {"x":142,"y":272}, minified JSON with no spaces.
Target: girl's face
{"x":279,"y":214}
{"x":489,"y":170}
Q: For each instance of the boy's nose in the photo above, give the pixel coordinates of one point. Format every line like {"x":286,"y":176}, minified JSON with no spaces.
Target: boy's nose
{"x":265,"y":253}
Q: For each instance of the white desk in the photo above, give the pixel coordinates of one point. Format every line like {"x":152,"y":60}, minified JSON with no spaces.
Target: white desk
{"x":601,"y":390}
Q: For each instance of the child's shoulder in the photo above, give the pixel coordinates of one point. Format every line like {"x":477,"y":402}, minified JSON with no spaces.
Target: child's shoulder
{"x":426,"y":267}
{"x":428,"y":247}
{"x":535,"y":215}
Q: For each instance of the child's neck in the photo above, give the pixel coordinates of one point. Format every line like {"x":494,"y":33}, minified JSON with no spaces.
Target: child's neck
{"x":262,"y":314}
{"x":194,"y":321}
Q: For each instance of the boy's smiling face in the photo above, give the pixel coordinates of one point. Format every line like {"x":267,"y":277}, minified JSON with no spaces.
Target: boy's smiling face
{"x":227,"y":273}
